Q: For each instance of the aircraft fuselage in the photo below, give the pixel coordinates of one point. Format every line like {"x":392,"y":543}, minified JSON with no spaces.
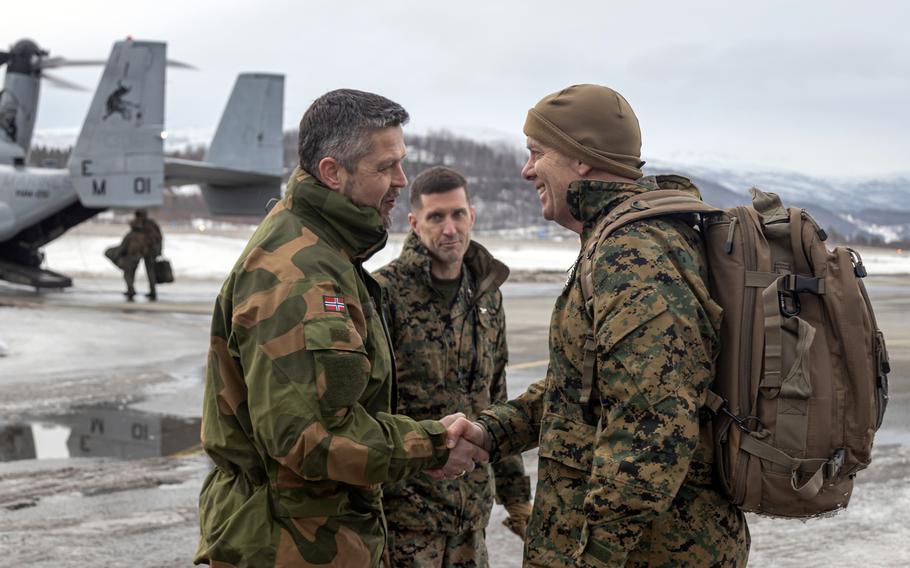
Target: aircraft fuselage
{"x":29,"y":195}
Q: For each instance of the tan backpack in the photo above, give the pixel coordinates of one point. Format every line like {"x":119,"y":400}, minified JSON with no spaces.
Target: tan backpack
{"x":801,"y":381}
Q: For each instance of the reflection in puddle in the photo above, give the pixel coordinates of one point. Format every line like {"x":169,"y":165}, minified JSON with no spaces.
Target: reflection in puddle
{"x":98,"y":432}
{"x":16,"y":442}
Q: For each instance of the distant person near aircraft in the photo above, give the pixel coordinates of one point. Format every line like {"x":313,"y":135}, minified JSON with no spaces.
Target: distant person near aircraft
{"x":143,"y":243}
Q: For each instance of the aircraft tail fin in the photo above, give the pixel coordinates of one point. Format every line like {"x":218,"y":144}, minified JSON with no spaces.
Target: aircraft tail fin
{"x":118,"y":160}
{"x":248,"y":139}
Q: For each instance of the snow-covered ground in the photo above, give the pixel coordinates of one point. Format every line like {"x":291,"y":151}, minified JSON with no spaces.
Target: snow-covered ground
{"x":86,"y":347}
{"x":203,"y":255}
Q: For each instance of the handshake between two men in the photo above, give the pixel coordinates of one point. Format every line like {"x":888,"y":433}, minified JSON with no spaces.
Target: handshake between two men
{"x":468,"y":445}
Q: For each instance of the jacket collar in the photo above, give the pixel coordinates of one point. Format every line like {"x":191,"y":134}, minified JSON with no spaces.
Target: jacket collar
{"x":590,"y":200}
{"x":488,"y":273}
{"x":357,"y":231}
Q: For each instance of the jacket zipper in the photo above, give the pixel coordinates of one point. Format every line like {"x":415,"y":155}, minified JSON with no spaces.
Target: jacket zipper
{"x":393,"y":403}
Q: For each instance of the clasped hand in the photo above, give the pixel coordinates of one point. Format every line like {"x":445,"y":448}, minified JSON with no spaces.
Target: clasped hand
{"x":466,"y":441}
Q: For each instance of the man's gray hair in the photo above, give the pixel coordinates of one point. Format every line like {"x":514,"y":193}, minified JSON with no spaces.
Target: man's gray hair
{"x":339,"y":123}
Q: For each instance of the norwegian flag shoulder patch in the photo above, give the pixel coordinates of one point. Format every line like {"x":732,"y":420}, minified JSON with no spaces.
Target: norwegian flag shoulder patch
{"x":334,"y":304}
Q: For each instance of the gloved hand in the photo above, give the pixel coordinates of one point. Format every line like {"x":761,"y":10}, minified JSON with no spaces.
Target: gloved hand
{"x":517,"y":521}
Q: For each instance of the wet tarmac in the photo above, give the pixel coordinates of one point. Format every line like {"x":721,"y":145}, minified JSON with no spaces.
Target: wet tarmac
{"x":99,"y":421}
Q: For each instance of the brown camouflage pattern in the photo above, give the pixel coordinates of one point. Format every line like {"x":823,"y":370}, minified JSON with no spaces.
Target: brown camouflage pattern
{"x":296,"y":412}
{"x":418,"y":549}
{"x":436,"y":348}
{"x":626,"y":480}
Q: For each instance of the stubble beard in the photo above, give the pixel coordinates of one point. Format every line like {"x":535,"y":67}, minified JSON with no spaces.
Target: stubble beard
{"x":453,"y":257}
{"x":386,"y":212}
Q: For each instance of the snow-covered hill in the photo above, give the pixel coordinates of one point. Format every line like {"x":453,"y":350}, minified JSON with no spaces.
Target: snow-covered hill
{"x":871,"y":208}
{"x":876,"y":210}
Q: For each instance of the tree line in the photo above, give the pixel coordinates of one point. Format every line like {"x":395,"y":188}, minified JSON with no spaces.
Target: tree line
{"x":502,"y":199}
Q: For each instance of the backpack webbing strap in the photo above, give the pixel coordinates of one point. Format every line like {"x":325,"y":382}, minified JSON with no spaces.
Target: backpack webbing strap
{"x":792,"y":430}
{"x":714,"y":401}
{"x":773,"y":338}
{"x":814,"y":466}
{"x":793,"y":390}
{"x":775,"y":324}
{"x":793,"y":283}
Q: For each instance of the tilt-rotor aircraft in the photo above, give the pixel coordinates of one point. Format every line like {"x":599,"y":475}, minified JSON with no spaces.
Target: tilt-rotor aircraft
{"x":119,"y":161}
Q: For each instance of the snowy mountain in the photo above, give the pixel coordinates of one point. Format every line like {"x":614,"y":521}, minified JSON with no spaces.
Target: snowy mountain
{"x":877,"y":210}
{"x":866,"y":210}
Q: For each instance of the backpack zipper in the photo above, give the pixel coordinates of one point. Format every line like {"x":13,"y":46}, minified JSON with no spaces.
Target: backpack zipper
{"x":728,"y":244}
{"x":822,"y":235}
{"x":882,"y":364}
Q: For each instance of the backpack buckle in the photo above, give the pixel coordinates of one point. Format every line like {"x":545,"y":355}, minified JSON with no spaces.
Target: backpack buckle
{"x":800,"y":284}
{"x":789,"y":303}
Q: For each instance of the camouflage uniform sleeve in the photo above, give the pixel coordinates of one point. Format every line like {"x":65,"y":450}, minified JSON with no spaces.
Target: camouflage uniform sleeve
{"x":653,"y":370}
{"x":306,"y":370}
{"x":512,"y":485}
{"x":514,"y":426}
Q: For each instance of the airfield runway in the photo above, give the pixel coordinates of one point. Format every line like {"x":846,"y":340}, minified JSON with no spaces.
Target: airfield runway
{"x":88,"y":375}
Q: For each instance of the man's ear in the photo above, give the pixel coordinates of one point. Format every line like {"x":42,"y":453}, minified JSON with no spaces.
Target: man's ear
{"x":331,"y":172}
{"x":412,"y":221}
{"x":582,"y":169}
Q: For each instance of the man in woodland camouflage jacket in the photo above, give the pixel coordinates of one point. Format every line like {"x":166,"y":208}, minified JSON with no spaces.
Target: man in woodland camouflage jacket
{"x":448,"y":331}
{"x":300,"y":379}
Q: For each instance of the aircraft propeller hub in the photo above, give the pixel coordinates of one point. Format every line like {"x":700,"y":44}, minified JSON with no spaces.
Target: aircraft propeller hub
{"x":24,"y":57}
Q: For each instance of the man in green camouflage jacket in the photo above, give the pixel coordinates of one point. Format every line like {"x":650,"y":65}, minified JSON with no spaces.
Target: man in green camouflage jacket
{"x":300,"y":378}
{"x":448,"y":332}
{"x":624,"y":476}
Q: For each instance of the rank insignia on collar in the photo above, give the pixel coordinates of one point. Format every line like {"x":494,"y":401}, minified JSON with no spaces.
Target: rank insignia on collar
{"x":333,"y":304}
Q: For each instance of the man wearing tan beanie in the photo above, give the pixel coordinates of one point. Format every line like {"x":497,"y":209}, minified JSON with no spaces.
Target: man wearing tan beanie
{"x":625,"y":477}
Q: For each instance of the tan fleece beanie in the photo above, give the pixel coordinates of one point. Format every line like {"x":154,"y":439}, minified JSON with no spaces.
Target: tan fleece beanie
{"x":590,"y":123}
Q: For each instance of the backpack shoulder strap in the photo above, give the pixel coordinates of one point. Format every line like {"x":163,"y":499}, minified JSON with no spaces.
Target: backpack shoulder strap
{"x":588,"y":365}
{"x":657,"y":203}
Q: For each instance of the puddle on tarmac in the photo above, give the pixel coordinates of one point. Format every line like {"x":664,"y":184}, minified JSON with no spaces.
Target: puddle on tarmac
{"x":100,"y":431}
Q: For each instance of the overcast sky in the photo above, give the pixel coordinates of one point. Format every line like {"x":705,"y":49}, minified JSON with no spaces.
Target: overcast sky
{"x":821,"y":87}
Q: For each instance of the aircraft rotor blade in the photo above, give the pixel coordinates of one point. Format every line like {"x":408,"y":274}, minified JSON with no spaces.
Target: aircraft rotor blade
{"x":180,"y":65}
{"x":62,"y":83}
{"x":56,"y":62}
